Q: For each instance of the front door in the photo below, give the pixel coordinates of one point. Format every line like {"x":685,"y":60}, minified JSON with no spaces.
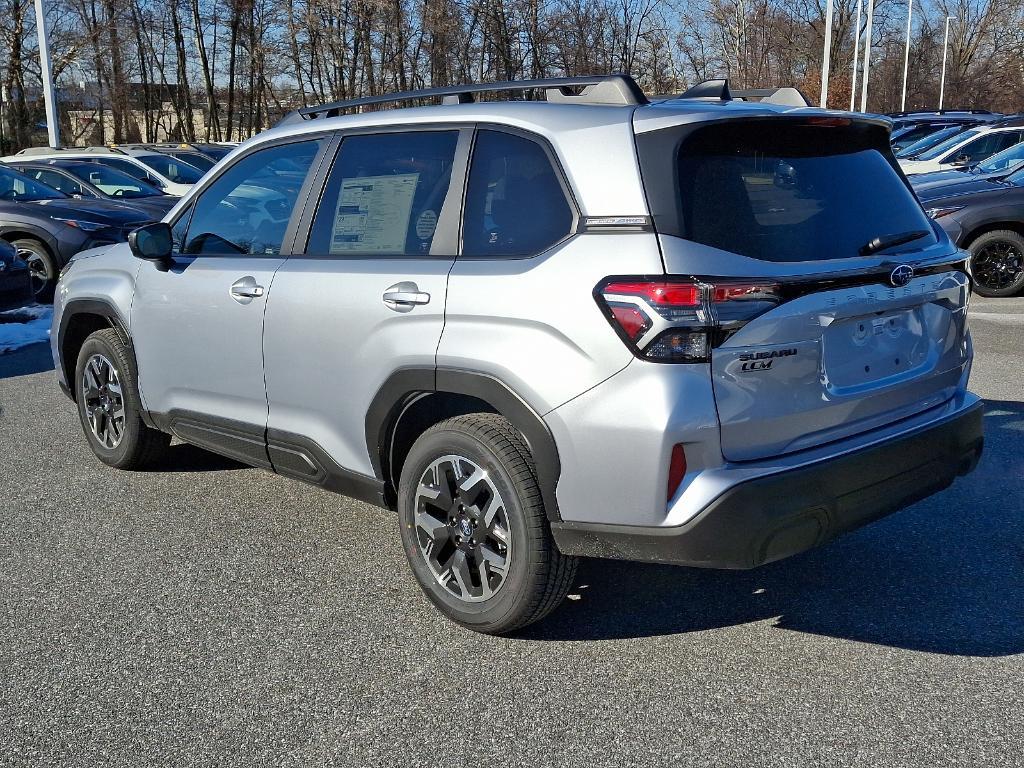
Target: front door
{"x":198,"y":326}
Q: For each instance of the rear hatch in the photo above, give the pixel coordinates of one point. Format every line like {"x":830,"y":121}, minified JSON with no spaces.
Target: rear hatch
{"x":833,"y":304}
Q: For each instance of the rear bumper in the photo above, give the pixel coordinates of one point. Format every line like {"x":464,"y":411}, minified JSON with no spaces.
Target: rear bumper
{"x":772,"y":517}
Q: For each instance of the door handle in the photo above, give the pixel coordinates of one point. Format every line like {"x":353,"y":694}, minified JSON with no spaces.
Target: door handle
{"x":246,"y":289}
{"x":402,"y":297}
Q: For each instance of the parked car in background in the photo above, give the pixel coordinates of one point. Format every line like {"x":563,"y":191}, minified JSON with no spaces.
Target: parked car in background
{"x":466,"y":314}
{"x":964,"y":149}
{"x":167,"y":173}
{"x":930,"y":140}
{"x":999,"y":165}
{"x":47,"y":227}
{"x":986,"y":217}
{"x":909,"y":127}
{"x":78,"y":178}
{"x":186,"y":154}
{"x":15,"y":279}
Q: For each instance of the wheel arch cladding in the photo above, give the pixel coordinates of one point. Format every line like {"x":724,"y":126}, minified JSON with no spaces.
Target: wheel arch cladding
{"x":412,"y":400}
{"x":80,"y":319}
{"x":993,"y":226}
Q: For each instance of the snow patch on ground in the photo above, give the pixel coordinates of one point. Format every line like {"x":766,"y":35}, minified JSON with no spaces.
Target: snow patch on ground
{"x":21,"y":327}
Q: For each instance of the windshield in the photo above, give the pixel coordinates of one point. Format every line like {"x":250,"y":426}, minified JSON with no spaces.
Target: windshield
{"x":18,"y":186}
{"x":194,"y":159}
{"x":928,"y":141}
{"x":1001,"y":161}
{"x":217,"y":153}
{"x":112,"y":183}
{"x":944,"y":146}
{"x":783,"y":190}
{"x":172,"y":168}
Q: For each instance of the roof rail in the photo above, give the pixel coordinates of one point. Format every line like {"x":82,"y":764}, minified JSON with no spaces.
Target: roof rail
{"x":597,"y":89}
{"x":1014,"y":121}
{"x":925,"y":112}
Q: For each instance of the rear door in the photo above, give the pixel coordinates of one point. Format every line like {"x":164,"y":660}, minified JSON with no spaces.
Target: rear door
{"x":843,"y":308}
{"x":365,"y":295}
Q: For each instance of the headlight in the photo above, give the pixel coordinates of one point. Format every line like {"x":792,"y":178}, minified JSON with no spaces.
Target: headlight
{"x":85,"y":226}
{"x":938,"y":213}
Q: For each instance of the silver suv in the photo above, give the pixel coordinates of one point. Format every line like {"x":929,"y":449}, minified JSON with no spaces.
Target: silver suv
{"x":707,"y":331}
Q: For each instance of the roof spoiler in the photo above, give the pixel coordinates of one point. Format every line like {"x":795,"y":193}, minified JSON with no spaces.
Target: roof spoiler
{"x":718,"y":90}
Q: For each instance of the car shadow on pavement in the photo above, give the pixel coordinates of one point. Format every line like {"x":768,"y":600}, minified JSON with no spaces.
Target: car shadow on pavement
{"x":943,"y":576}
{"x":183,"y":457}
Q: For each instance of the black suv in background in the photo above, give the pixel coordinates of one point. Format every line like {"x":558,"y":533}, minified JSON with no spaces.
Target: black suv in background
{"x":984,"y":215}
{"x":47,"y":227}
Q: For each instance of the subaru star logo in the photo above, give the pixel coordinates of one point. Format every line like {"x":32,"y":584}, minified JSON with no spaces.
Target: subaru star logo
{"x":902,"y":275}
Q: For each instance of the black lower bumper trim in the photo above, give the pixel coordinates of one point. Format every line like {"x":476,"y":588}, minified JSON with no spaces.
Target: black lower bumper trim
{"x":769,"y":518}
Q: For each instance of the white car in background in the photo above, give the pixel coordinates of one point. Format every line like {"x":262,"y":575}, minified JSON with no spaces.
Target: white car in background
{"x":966,"y":148}
{"x":173,"y":176}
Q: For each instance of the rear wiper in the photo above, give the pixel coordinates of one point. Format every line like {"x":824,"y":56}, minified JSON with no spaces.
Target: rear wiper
{"x":890,"y":241}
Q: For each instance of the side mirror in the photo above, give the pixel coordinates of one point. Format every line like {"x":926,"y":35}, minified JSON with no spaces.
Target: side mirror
{"x":962,"y":160}
{"x":153,"y":242}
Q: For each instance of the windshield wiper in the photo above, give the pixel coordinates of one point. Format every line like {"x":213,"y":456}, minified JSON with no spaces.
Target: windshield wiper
{"x":890,"y":241}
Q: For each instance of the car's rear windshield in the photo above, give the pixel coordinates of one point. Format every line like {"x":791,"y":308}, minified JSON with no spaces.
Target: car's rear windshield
{"x":782,"y":190}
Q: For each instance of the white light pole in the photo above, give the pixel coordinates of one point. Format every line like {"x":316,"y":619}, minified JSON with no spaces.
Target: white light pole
{"x":49,"y":96}
{"x":867,"y":58}
{"x":906,"y":56}
{"x":942,"y":82}
{"x":856,"y":53}
{"x":827,"y":55}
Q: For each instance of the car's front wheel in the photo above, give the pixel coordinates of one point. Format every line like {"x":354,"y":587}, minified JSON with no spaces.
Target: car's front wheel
{"x":474,"y":527}
{"x":997,"y":263}
{"x":109,"y":405}
{"x":41,"y":266}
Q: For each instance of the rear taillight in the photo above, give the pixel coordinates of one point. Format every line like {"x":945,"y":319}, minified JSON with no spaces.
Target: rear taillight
{"x":681,"y":321}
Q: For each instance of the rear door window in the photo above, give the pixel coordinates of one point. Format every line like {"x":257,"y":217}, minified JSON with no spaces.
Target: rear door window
{"x":515,"y":204}
{"x":986,"y":146}
{"x":58,"y":181}
{"x":384,"y":195}
{"x":783,"y":191}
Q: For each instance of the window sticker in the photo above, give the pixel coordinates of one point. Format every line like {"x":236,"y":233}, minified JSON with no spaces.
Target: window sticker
{"x":373,"y":213}
{"x":426,"y":223}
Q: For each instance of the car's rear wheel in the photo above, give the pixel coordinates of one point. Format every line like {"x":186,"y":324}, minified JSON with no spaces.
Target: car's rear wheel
{"x":474,"y":526}
{"x":41,"y":266}
{"x":997,"y":263}
{"x":109,"y":406}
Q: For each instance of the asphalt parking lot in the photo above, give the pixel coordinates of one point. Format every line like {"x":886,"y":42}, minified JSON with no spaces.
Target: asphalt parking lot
{"x":210,"y":614}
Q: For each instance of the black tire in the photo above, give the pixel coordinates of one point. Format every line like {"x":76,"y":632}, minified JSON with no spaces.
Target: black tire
{"x":997,"y":263}
{"x":537,"y":575}
{"x":137,"y":445}
{"x":42,"y":265}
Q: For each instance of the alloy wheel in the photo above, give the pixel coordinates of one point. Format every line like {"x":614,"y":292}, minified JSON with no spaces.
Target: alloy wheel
{"x":462,"y":528}
{"x":103,"y":401}
{"x":998,"y":265}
